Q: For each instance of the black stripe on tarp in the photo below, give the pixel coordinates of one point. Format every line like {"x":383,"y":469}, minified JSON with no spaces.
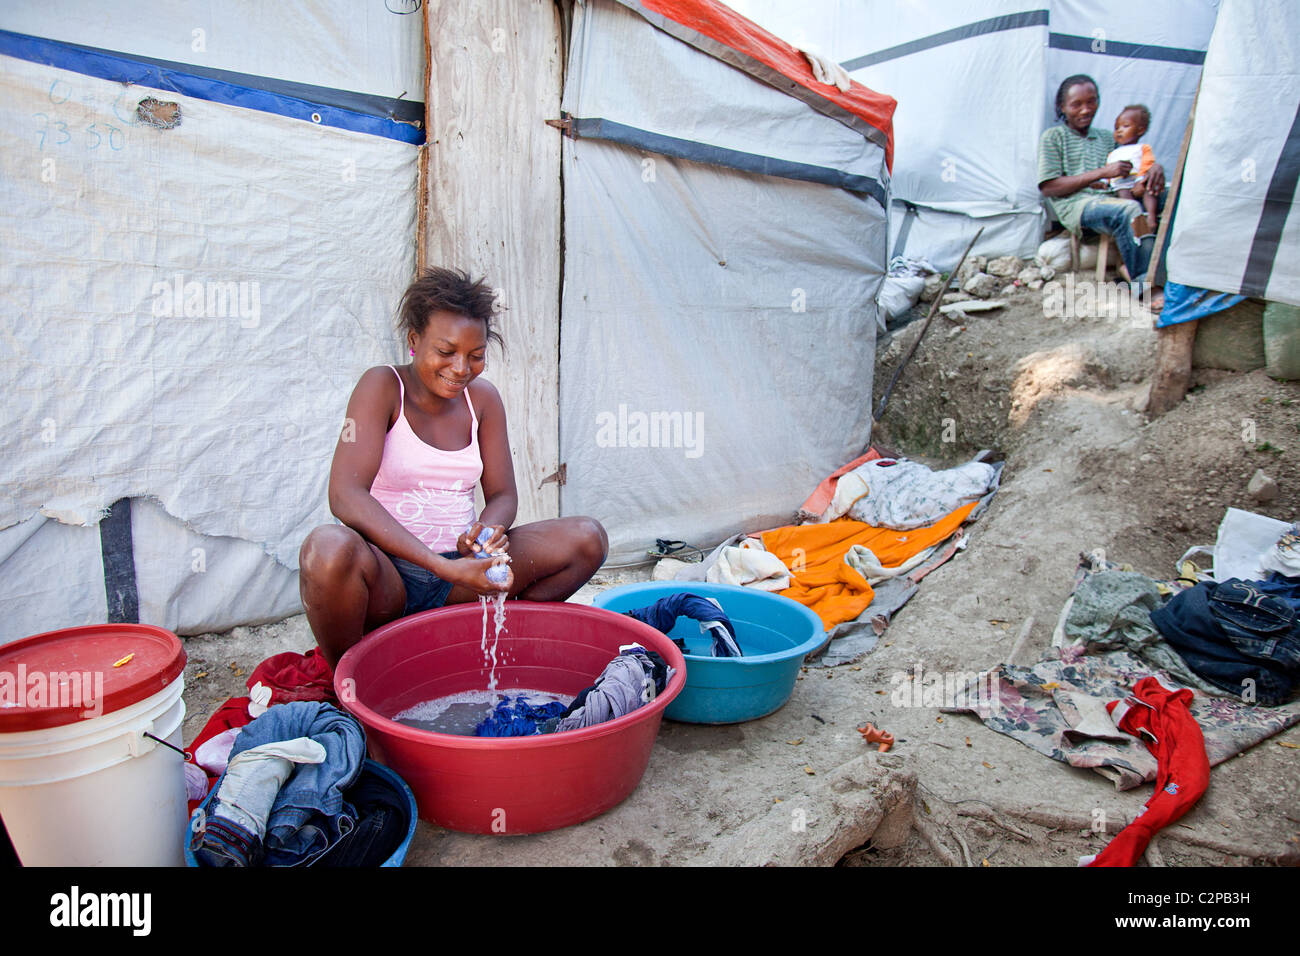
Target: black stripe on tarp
{"x":1272,"y":218}
{"x":367,"y":104}
{"x":909,"y":215}
{"x":118,"y":551}
{"x":597,"y":128}
{"x":1136,"y":51}
{"x":1010,"y":21}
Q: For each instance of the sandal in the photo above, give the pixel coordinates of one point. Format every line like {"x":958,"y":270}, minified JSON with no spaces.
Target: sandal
{"x":676,"y":549}
{"x":873,"y":736}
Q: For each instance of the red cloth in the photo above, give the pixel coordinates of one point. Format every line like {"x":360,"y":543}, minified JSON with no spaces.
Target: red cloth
{"x":290,"y":676}
{"x":1159,"y":717}
{"x":293,"y":676}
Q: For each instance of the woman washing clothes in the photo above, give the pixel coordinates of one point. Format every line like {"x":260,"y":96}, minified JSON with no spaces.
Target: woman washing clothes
{"x":1072,"y":174}
{"x":416,"y":440}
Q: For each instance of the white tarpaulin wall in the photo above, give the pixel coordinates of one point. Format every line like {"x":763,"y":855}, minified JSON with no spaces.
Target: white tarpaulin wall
{"x":975,"y":89}
{"x":1237,"y":228}
{"x":710,"y":379}
{"x":187,"y":310}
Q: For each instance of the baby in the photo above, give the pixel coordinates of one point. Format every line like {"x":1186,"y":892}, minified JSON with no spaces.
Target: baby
{"x":1130,"y":126}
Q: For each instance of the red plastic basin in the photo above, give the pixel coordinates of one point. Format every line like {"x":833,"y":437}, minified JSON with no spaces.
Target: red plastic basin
{"x":515,"y":784}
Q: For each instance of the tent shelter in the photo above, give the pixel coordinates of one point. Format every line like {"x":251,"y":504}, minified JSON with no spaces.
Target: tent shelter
{"x":188,"y":304}
{"x":976,"y":88}
{"x":1237,"y":228}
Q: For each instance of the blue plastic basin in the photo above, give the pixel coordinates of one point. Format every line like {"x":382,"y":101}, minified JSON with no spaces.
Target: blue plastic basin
{"x":774,"y":632}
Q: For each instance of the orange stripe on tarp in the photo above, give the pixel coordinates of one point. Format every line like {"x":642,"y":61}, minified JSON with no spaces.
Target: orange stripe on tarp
{"x":728,"y":27}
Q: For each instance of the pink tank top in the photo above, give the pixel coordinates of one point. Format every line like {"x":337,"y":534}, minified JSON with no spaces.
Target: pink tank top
{"x":428,"y":490}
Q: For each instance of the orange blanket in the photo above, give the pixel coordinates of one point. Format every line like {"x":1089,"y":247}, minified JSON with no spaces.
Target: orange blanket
{"x":821,"y":579}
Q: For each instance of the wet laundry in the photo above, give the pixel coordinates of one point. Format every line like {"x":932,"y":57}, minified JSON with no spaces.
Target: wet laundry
{"x":631,"y":680}
{"x":662,"y":615}
{"x":517,"y":717}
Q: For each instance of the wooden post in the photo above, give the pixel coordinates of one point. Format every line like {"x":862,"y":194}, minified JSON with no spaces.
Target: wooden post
{"x":1173,"y":371}
{"x":492,"y":204}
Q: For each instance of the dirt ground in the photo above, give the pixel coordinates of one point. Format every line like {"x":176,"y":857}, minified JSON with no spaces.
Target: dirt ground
{"x":1062,"y":399}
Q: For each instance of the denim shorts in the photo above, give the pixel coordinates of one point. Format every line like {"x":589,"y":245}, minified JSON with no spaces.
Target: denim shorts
{"x":424,"y":589}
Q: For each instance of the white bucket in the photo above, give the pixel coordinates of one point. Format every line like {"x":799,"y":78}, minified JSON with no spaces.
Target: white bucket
{"x":98,"y":792}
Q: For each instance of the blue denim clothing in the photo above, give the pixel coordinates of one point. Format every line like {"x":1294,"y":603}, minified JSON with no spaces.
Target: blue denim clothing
{"x":424,"y":589}
{"x":1114,"y":216}
{"x":1235,"y":630}
{"x":309,"y":813}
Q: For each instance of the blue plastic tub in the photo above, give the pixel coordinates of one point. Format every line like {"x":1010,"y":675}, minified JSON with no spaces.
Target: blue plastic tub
{"x":370,"y":767}
{"x":774,"y":632}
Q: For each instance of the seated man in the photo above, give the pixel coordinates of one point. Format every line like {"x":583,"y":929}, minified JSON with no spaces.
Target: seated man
{"x":1072,"y":168}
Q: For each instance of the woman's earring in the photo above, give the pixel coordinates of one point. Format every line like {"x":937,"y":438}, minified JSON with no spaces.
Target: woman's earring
{"x":412,"y":353}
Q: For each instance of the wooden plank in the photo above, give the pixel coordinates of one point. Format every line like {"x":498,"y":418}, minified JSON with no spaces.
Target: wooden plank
{"x":494,"y":203}
{"x":1167,"y":221}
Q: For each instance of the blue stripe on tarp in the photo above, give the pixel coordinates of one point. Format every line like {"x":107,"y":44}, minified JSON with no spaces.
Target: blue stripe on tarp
{"x":1136,"y":51}
{"x":1011,"y":21}
{"x":603,"y":129}
{"x":294,"y":100}
{"x":1278,"y":202}
{"x":118,"y":550}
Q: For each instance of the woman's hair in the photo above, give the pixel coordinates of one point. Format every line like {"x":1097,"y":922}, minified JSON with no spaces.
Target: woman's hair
{"x":448,"y":290}
{"x":1064,"y":89}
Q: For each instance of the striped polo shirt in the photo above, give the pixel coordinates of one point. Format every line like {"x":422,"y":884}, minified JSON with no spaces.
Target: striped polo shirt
{"x":1063,"y":152}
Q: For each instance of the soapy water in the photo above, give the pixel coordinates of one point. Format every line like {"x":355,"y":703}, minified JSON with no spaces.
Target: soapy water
{"x":499,"y":620}
{"x":497,"y":575}
{"x":460,"y":713}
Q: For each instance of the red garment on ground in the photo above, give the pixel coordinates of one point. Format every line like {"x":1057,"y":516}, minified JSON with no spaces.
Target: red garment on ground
{"x":1159,"y":717}
{"x":293,"y":676}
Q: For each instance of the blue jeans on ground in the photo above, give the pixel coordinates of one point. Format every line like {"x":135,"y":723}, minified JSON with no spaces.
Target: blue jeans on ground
{"x":1236,"y":630}
{"x":1114,"y":217}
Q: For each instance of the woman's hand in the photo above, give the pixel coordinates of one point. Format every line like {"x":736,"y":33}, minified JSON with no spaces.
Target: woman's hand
{"x":468,"y":545}
{"x":471,"y":573}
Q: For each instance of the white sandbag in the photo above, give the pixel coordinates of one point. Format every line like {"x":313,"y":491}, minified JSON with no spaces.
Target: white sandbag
{"x":897,"y":295}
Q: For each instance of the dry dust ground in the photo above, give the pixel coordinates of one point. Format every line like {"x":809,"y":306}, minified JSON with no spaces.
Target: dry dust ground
{"x":1061,"y":398}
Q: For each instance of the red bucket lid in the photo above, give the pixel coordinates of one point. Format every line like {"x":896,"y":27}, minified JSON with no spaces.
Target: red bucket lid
{"x":78,"y":673}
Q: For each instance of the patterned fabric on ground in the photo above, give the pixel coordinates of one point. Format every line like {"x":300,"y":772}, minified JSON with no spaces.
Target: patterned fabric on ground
{"x":1039,"y":706}
{"x":820,"y":499}
{"x":903,"y":495}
